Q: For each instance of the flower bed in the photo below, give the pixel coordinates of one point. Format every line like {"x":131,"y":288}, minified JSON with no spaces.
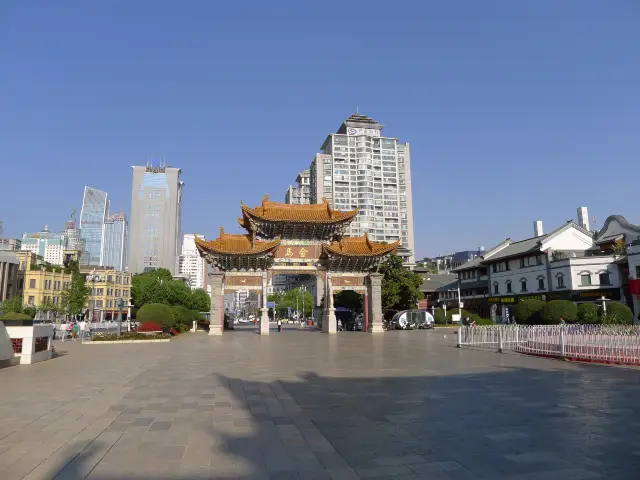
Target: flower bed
{"x":130,"y":336}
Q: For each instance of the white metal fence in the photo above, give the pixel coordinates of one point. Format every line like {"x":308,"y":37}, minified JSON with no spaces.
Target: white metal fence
{"x":596,"y":343}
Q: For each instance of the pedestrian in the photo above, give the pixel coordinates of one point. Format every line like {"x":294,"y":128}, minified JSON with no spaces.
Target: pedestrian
{"x":82,"y":329}
{"x":74,"y":331}
{"x":279,"y":325}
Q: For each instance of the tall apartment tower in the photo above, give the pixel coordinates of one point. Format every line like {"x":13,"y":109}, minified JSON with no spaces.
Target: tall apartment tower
{"x":190,"y":263}
{"x":95,"y":209}
{"x":115,"y":239}
{"x":358,"y":167}
{"x":156,"y":218}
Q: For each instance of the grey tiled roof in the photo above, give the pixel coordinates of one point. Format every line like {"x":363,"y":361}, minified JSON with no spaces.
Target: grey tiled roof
{"x":433,"y":282}
{"x":476,"y":262}
{"x":532,"y":245}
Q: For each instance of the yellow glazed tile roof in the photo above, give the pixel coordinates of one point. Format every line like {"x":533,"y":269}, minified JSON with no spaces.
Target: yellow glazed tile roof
{"x":281,"y":212}
{"x":231,"y":244}
{"x":359,"y":247}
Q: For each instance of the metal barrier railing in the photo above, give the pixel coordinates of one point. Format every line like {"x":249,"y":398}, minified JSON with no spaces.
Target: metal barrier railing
{"x":599,"y":343}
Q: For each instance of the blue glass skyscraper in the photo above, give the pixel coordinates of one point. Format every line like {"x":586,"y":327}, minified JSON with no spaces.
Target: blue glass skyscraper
{"x":95,"y":209}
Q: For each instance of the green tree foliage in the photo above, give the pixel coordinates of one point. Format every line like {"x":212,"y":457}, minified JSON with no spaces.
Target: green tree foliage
{"x":159,"y":286}
{"x":617,"y":314}
{"x":439,"y":316}
{"x":293,"y":299}
{"x":557,"y":310}
{"x":527,"y":312}
{"x":400,"y":287}
{"x":349,"y":299}
{"x":200,"y":300}
{"x":75,"y":297}
{"x":185,"y":317}
{"x":588,"y":313}
{"x":13,"y":304}
{"x":158,"y":313}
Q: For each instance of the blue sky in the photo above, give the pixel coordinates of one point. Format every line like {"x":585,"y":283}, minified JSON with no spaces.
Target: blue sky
{"x":515,"y":111}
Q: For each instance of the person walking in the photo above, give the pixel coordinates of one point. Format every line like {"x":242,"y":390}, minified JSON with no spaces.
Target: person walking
{"x":74,"y":331}
{"x":279,"y":325}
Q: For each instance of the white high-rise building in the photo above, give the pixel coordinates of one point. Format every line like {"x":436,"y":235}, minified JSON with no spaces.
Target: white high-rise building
{"x":95,"y":209}
{"x":190,"y":263}
{"x":359,"y":168}
{"x":115,"y":238}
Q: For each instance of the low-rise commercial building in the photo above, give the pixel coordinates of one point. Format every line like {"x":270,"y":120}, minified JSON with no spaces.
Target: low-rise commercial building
{"x":570,"y":263}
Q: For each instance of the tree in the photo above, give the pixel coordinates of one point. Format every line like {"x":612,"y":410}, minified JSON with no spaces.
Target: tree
{"x":439,"y":316}
{"x":400,"y":287}
{"x":75,"y":297}
{"x":588,"y":313}
{"x":200,"y":300}
{"x":293,"y":299}
{"x":557,"y":310}
{"x":146,"y":287}
{"x":527,"y":312}
{"x":349,"y":299}
{"x":456,"y":311}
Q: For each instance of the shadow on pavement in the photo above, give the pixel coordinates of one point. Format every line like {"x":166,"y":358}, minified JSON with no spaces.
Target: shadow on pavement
{"x":538,"y":424}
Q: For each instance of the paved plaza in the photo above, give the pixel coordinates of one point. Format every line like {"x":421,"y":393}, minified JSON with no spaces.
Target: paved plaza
{"x":302,"y":404}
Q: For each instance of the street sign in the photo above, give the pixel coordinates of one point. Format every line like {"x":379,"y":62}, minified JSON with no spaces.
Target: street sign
{"x":461,"y":304}
{"x":271,"y":304}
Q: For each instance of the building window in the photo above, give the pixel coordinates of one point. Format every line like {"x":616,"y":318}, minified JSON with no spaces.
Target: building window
{"x":523,"y":285}
{"x":31,"y":301}
{"x":585,"y":279}
{"x":496,"y":288}
{"x":540,"y":283}
{"x":605,"y":279}
{"x":560,"y":280}
{"x":32,"y":283}
{"x":508,"y":286}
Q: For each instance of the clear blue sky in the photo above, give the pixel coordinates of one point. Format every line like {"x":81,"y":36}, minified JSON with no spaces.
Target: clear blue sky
{"x":515,"y":110}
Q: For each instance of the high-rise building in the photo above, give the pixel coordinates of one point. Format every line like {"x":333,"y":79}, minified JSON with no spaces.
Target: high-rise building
{"x":10,"y":244}
{"x":115,"y":238}
{"x":302,"y":193}
{"x":156,"y":218}
{"x":190,"y":263}
{"x":48,"y":245}
{"x":95,"y":209}
{"x":358,"y":167}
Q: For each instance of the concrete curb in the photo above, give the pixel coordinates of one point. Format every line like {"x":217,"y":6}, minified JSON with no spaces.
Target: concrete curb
{"x":161,"y":340}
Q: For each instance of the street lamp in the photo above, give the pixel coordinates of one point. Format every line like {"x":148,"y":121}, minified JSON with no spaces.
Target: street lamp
{"x":120,"y":303}
{"x":92,"y":278}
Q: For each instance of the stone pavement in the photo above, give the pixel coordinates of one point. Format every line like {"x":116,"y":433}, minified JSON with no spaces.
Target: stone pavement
{"x":301,"y":404}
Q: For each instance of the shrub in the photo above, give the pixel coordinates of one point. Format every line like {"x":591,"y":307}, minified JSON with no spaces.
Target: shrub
{"x":474,"y":317}
{"x":174,"y":331}
{"x":484,"y":321}
{"x":455,"y":311}
{"x":617,"y":314}
{"x":439,"y":316}
{"x":150,"y":327}
{"x":556,"y":310}
{"x":527,"y":312}
{"x":158,"y":313}
{"x":109,"y":337}
{"x":15,"y":316}
{"x":588,"y":313}
{"x":182,"y":315}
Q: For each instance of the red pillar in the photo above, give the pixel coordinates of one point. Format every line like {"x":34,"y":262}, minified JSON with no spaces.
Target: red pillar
{"x":366,"y":312}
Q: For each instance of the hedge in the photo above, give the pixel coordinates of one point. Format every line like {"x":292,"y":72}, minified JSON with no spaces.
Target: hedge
{"x":15,"y":316}
{"x":439,"y":316}
{"x":617,"y":313}
{"x":150,"y":327}
{"x":527,"y":312}
{"x":158,"y":313}
{"x":588,"y":313}
{"x":557,"y":310}
{"x":183,"y":316}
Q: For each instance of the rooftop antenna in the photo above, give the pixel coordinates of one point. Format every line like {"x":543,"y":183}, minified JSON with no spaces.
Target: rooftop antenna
{"x":357,"y":110}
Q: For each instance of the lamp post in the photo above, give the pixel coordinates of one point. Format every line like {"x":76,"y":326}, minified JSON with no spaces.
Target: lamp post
{"x":304,"y":290}
{"x":92,"y":278}
{"x":604,"y":304}
{"x":120,"y":304}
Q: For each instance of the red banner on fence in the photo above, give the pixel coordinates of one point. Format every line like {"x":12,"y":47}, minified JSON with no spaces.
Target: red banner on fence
{"x":634,"y":287}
